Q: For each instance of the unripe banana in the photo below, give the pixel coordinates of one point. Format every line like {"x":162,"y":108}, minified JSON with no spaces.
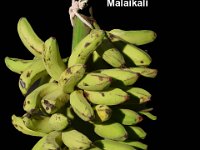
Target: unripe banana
{"x":29,"y":38}
{"x":69,"y":113}
{"x":136,"y":37}
{"x":34,"y":72}
{"x":111,"y":130}
{"x":70,"y":77}
{"x":136,"y":144}
{"x":133,"y":55}
{"x":138,"y":94}
{"x":32,"y":101}
{"x":53,"y":141}
{"x":112,"y":96}
{"x":126,"y":116}
{"x":144,"y":71}
{"x":113,"y":145}
{"x":110,"y":54}
{"x":39,"y":144}
{"x":58,"y":121}
{"x":17,"y":65}
{"x":95,"y":148}
{"x":103,"y":112}
{"x":81,"y":106}
{"x":20,"y":126}
{"x":52,"y":59}
{"x":37,"y":123}
{"x":121,"y":76}
{"x":135,"y":132}
{"x":148,"y":115}
{"x":94,"y":82}
{"x":86,"y":47}
{"x":54,"y":101}
{"x":74,"y":139}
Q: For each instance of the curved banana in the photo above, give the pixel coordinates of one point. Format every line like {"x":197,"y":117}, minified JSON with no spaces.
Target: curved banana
{"x":74,"y":139}
{"x":86,"y":47}
{"x":54,"y":101}
{"x":20,"y":126}
{"x":112,"y":145}
{"x":29,"y":38}
{"x":148,"y":115}
{"x":133,"y":55}
{"x":94,"y":82}
{"x":111,"y":130}
{"x":52,"y":59}
{"x":126,"y":116}
{"x":144,"y":71}
{"x":103,"y":112}
{"x":139,"y":95}
{"x":81,"y":106}
{"x":51,"y":141}
{"x":121,"y":76}
{"x":136,"y":144}
{"x":136,"y":37}
{"x":39,"y":123}
{"x":69,"y":113}
{"x":17,"y":65}
{"x":110,"y":54}
{"x":58,"y":121}
{"x":135,"y":132}
{"x":112,"y":96}
{"x":70,"y":77}
{"x":30,"y":75}
{"x":32,"y":102}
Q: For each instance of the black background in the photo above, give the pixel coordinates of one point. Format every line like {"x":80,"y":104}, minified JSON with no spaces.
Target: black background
{"x":50,"y":18}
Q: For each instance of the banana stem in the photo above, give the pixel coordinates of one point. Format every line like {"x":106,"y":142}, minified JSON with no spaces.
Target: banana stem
{"x":82,"y":25}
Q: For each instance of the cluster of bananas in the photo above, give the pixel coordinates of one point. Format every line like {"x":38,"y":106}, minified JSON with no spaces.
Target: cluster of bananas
{"x":84,"y":101}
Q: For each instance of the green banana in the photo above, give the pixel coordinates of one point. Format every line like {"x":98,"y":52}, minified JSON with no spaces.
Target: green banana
{"x":136,"y":144}
{"x":126,"y":116}
{"x":17,"y":65}
{"x":135,"y":132}
{"x":69,"y":113}
{"x":32,"y":102}
{"x":58,"y":121}
{"x":70,"y":77}
{"x":29,"y":38}
{"x":110,"y":54}
{"x":139,"y":94}
{"x":111,"y":130}
{"x":38,"y":123}
{"x":112,"y":96}
{"x":103,"y":112}
{"x":112,"y":145}
{"x":51,"y":141}
{"x":121,"y":76}
{"x":148,"y":115}
{"x":81,"y":106}
{"x":54,"y":101}
{"x":136,"y":37}
{"x":74,"y":139}
{"x":34,"y":72}
{"x":133,"y":55}
{"x":86,"y":47}
{"x":144,"y":71}
{"x":20,"y":126}
{"x":52,"y":59}
{"x":94,"y":148}
{"x":94,"y":82}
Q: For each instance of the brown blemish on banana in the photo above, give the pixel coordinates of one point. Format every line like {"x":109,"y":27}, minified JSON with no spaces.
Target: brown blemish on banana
{"x":28,"y":73}
{"x":111,"y":36}
{"x":86,"y":94}
{"x":69,"y":70}
{"x":87,"y":44}
{"x":49,"y":105}
{"x":102,"y":94}
{"x":22,"y":83}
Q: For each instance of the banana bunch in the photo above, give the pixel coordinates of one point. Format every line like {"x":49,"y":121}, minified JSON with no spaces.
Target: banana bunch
{"x":87,"y":100}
